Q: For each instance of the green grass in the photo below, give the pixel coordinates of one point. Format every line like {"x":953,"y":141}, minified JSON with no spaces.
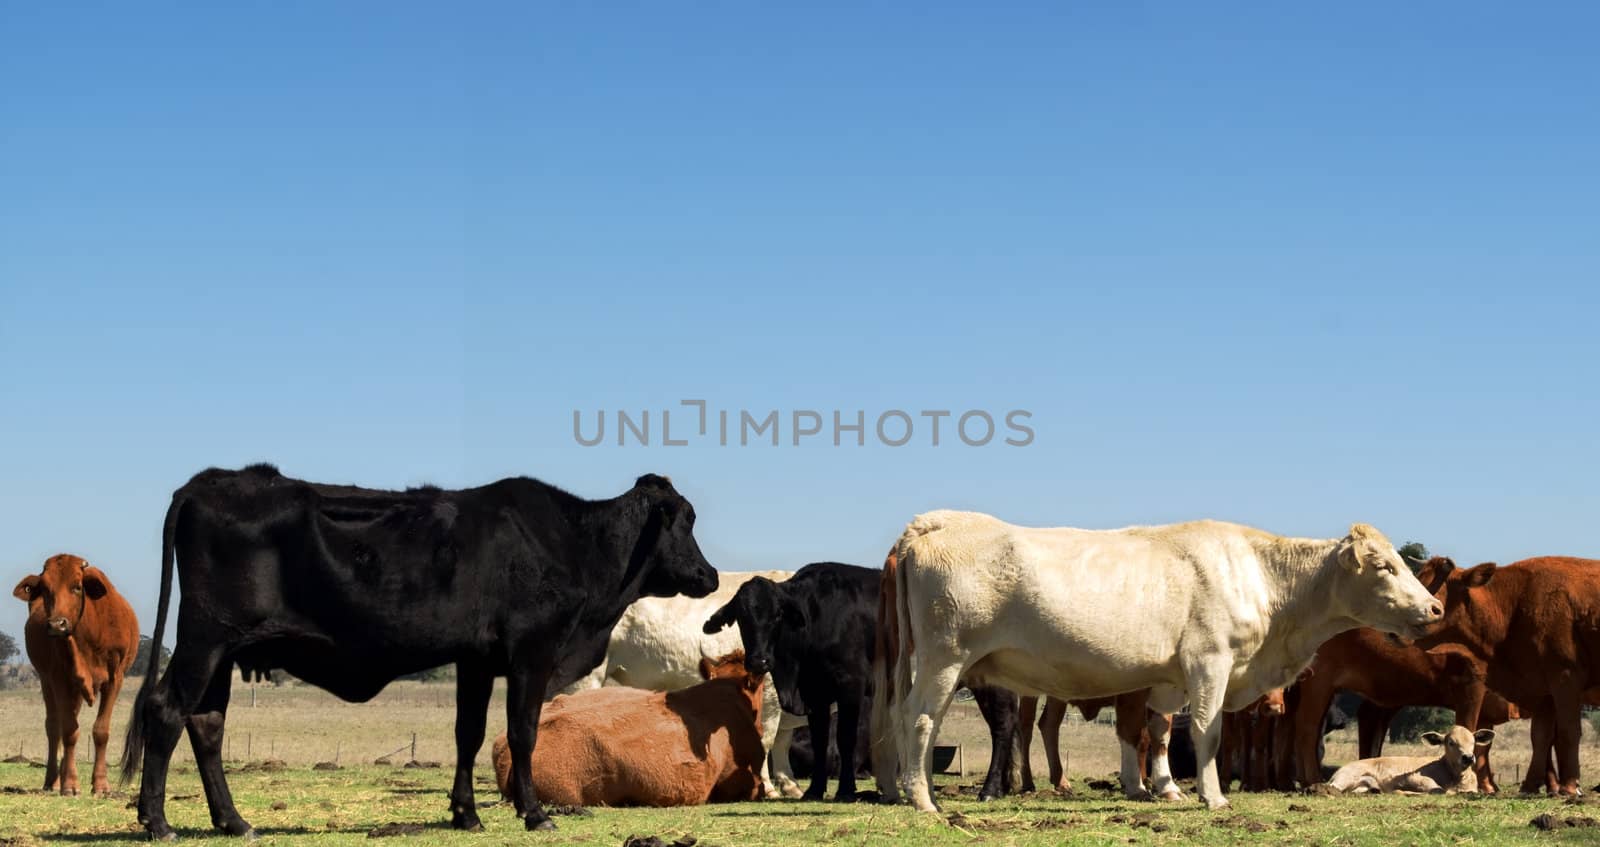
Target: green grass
{"x":329,"y":808}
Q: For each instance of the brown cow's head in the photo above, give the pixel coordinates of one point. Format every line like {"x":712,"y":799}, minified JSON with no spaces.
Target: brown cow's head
{"x":732,"y":666}
{"x":56,"y":596}
{"x":1456,"y":588}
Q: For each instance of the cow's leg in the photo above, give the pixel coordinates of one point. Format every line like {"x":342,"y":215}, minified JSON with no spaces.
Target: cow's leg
{"x":525,"y":689}
{"x":1055,"y":711}
{"x":1020,"y":746}
{"x":1207,"y":689}
{"x":848,"y":728}
{"x":1542,"y":768}
{"x":68,"y":701}
{"x":1158,"y":725}
{"x":189,"y":674}
{"x":819,"y":719}
{"x":1567,"y":701}
{"x":1372,"y":728}
{"x":1000,"y":714}
{"x":778,"y":759}
{"x":474,"y":685}
{"x":1316,"y":694}
{"x":1261,"y":752}
{"x":770,"y":718}
{"x":52,"y":731}
{"x":102,"y":731}
{"x":205,"y":727}
{"x":921,"y":713}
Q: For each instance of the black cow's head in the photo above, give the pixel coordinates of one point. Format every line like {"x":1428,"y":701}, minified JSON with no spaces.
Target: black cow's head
{"x":767,"y":616}
{"x":666,"y":551}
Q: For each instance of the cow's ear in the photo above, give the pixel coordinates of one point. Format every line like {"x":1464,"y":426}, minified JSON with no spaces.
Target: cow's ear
{"x":25,"y":588}
{"x":1478,"y":576}
{"x":1350,"y":553}
{"x":1433,"y":738}
{"x":1483,"y":736}
{"x":95,"y":584}
{"x":720,"y":619}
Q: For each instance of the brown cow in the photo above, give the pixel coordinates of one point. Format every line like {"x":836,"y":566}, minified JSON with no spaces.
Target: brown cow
{"x":1535,"y":626}
{"x":618,"y":746}
{"x":1389,"y":676}
{"x":1133,"y":719}
{"x":81,"y":637}
{"x":1247,"y":740}
{"x":1542,"y":735}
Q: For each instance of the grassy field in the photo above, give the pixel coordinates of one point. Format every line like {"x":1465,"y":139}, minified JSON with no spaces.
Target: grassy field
{"x":298,"y":805}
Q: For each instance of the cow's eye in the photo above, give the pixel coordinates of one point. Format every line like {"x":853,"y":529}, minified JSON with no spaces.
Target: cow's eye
{"x":78,"y":590}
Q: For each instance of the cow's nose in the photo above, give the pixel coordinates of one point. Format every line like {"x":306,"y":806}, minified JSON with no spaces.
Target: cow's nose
{"x":1435,"y":611}
{"x":58,"y":626}
{"x":1466,"y":761}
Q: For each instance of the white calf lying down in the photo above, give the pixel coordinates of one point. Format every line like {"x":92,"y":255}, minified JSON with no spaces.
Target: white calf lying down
{"x":1450,"y":773}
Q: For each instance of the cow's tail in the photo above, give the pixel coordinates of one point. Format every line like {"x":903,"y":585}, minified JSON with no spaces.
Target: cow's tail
{"x":885,"y":758}
{"x":133,"y":747}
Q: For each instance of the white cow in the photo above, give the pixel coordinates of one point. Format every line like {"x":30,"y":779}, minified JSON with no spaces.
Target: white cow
{"x":658,"y":644}
{"x":1209,"y":613}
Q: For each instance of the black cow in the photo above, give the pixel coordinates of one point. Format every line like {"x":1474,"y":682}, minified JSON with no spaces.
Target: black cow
{"x":802,"y":755}
{"x":348,"y":588}
{"x":814,"y":632}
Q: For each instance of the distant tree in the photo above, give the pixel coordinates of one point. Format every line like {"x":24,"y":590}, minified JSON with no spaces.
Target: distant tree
{"x":443,"y":673}
{"x":1413,"y":721}
{"x":142,"y":661}
{"x":8,"y":647}
{"x":1414,"y":553}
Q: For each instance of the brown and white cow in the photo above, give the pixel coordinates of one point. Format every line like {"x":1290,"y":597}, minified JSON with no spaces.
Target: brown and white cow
{"x":1535,"y":625}
{"x":617,"y":746}
{"x":81,"y":636}
{"x":1206,"y":613}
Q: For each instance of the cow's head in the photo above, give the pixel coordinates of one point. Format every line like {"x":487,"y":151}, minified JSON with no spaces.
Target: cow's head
{"x":1456,"y":588}
{"x":765,"y":612}
{"x":1460,"y":745}
{"x":666,"y":550}
{"x":56,"y":596}
{"x":1377,"y":588}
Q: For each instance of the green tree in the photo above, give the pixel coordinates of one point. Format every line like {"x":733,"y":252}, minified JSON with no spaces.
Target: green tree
{"x":141,"y":662}
{"x":1413,"y":721}
{"x":8,"y":647}
{"x":1414,"y":553}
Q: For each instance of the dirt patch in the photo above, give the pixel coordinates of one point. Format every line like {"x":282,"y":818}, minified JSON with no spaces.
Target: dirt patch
{"x":279,"y":806}
{"x":413,"y":764}
{"x":655,"y":841}
{"x":326,"y":766}
{"x":1242,"y":822}
{"x":1296,"y":807}
{"x":1548,"y":822}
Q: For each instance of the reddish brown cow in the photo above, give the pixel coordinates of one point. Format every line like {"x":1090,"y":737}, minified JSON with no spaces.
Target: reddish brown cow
{"x":1132,"y":728}
{"x":1389,"y":676}
{"x":619,"y":746}
{"x":1247,"y":740}
{"x":1535,"y":626}
{"x":81,"y":636}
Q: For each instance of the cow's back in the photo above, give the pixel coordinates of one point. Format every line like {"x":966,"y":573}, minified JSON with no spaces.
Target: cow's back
{"x":619,"y":746}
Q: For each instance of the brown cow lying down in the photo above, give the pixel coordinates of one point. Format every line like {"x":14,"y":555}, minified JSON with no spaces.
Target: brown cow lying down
{"x":619,"y":746}
{"x":1450,"y":773}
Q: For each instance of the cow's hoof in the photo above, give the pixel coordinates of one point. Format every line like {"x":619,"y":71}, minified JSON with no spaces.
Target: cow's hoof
{"x":163,"y":833}
{"x":466,"y":822}
{"x":539,"y":825}
{"x":845,"y":797}
{"x":1142,"y":795}
{"x":1217,"y":804}
{"x":251,"y":835}
{"x":814,"y":796}
{"x":1173,"y":795}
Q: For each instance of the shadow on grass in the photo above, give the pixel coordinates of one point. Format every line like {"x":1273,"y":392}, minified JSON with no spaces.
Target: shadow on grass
{"x":185,"y":834}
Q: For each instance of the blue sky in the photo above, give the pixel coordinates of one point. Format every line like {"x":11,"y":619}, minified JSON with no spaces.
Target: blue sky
{"x":1293,"y":267}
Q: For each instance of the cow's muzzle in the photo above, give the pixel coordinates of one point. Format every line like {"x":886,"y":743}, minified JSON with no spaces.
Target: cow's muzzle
{"x":59,"y":627}
{"x":758,"y":665}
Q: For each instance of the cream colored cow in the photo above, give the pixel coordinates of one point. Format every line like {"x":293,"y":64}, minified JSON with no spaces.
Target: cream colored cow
{"x":1209,"y":613}
{"x":1448,"y":773}
{"x":658,"y":645}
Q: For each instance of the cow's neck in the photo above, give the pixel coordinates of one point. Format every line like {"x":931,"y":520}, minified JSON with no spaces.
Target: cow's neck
{"x":609,"y":572}
{"x":1304,"y":572}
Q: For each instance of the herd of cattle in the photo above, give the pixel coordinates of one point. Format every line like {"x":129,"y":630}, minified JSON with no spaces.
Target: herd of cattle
{"x":349,"y":588}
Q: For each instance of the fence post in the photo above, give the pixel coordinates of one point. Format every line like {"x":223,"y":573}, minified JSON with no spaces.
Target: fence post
{"x":413,"y":746}
{"x":248,"y":737}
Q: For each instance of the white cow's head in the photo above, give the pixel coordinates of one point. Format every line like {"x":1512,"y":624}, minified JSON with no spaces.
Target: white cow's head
{"x":1377,"y":589}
